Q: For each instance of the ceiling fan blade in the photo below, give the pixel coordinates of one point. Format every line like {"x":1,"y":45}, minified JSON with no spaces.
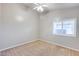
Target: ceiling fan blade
{"x":36,"y":3}
{"x":45,"y":5}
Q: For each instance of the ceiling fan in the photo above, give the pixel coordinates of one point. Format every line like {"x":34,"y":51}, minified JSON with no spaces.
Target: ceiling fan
{"x":40,"y":7}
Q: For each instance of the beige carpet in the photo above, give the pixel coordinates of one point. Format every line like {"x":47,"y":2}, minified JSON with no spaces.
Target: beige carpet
{"x":39,"y":48}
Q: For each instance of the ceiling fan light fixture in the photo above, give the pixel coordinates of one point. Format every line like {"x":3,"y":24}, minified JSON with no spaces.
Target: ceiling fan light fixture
{"x":39,"y":9}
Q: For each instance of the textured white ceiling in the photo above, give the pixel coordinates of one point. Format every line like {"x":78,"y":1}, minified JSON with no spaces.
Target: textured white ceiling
{"x":52,"y":6}
{"x":61,"y":5}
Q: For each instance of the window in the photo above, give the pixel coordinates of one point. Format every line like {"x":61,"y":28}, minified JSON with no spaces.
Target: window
{"x":65,"y":27}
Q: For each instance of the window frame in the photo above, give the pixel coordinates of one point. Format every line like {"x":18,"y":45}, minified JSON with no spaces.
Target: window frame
{"x":63,"y":20}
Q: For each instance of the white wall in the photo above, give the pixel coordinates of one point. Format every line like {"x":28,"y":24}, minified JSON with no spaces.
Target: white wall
{"x":17,"y":25}
{"x":46,"y":26}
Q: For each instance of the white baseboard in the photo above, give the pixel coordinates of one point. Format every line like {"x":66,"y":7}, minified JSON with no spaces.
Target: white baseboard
{"x":16,"y":45}
{"x":61,"y":45}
